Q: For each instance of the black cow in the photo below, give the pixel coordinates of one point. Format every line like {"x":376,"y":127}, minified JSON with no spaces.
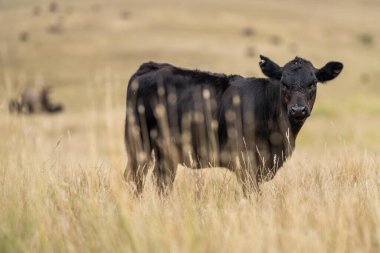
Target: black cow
{"x":202,"y":119}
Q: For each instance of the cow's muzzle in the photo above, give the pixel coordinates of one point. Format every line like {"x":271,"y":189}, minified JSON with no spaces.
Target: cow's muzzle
{"x":298,"y":113}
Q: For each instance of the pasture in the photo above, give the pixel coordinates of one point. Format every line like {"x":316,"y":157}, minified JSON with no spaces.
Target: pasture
{"x":61,"y":176}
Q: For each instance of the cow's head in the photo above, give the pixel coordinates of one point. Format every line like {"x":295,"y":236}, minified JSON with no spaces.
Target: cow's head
{"x":299,"y":81}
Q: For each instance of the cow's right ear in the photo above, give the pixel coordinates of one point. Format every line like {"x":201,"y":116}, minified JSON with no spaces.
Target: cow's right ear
{"x":269,"y":68}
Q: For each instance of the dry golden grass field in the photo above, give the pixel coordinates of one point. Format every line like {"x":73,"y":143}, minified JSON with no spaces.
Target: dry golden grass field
{"x":61,"y":176}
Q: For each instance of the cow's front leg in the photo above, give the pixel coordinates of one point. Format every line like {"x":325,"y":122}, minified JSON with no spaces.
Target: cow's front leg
{"x":246,"y":172}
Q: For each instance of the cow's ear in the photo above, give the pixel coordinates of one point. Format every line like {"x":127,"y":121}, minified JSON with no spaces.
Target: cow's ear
{"x":331,"y":70}
{"x":269,"y":68}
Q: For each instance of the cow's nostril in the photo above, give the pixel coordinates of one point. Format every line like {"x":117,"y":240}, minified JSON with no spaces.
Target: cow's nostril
{"x":298,"y":111}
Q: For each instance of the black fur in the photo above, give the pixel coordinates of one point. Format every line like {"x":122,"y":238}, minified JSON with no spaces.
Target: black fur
{"x":258,"y":116}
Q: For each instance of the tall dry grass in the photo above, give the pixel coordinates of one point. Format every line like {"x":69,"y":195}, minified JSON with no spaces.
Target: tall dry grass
{"x":51,"y":203}
{"x":54,"y":199}
{"x":61,"y":177}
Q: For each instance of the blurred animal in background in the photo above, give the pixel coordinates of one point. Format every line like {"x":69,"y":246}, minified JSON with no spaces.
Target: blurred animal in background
{"x":34,"y":101}
{"x":202,"y":119}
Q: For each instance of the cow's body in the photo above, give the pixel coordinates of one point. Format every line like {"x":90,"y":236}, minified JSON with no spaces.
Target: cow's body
{"x":200,"y":119}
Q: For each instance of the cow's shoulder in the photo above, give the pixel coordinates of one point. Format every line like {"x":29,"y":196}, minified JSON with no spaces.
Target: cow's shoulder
{"x":259,"y":93}
{"x":257,"y":86}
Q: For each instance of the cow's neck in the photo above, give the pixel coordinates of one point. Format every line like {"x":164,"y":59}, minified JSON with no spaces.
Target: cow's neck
{"x":295,"y":127}
{"x":289,"y":131}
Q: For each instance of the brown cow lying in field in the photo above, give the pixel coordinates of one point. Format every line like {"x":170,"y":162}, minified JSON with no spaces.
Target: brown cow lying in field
{"x":31,"y":101}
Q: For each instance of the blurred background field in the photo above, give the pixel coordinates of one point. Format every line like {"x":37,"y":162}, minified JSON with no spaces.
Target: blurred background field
{"x":61,"y":176}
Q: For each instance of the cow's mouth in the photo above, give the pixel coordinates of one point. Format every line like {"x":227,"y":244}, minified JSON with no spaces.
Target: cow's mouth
{"x":298,"y":119}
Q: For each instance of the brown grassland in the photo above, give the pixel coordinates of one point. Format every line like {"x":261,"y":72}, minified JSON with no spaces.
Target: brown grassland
{"x":61,"y":176}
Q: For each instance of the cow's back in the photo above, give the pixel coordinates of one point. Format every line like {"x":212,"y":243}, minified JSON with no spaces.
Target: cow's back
{"x":189,"y":98}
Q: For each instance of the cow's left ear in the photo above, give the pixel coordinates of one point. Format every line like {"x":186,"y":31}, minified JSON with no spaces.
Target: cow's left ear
{"x":269,"y":68}
{"x":329,"y":71}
